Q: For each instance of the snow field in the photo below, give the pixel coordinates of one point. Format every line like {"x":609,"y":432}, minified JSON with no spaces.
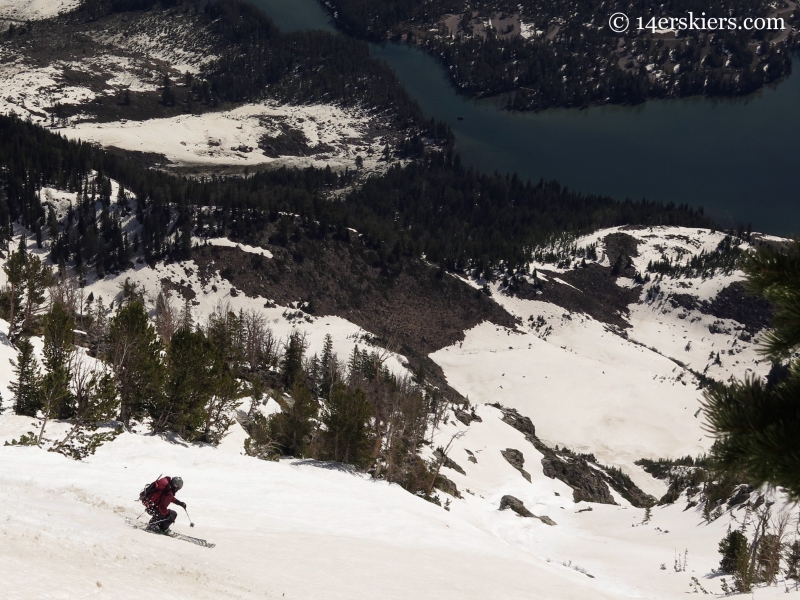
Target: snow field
{"x":584,"y":388}
{"x":623,"y":553}
{"x":307,"y":530}
{"x":232,"y":137}
{"x":284,"y":529}
{"x":587,"y":387}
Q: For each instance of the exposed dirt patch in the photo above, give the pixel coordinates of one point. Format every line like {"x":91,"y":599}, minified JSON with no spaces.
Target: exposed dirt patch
{"x":412,"y":307}
{"x":734,"y":302}
{"x":289,"y":142}
{"x":592,"y":290}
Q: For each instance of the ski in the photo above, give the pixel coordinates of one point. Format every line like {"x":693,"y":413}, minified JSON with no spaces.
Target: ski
{"x":178,"y":536}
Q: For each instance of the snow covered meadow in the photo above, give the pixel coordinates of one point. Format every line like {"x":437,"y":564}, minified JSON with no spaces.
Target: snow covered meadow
{"x":66,"y":89}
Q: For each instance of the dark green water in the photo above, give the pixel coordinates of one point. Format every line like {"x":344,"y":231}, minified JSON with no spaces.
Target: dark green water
{"x":737,"y":158}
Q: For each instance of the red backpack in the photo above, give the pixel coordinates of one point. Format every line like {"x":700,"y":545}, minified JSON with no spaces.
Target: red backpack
{"x":146,"y":496}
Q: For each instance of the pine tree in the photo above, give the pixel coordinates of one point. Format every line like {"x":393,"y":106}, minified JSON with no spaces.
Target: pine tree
{"x":97,"y":404}
{"x":296,"y":425}
{"x":292,"y":363}
{"x":758,"y":423}
{"x":347,"y":434}
{"x":134,"y":353}
{"x":58,"y":349}
{"x":793,"y":561}
{"x":37,"y":279}
{"x":220,"y":405}
{"x":27,"y":385}
{"x":732,"y":548}
{"x":193,"y":371}
{"x":15,"y":285}
{"x":328,"y":367}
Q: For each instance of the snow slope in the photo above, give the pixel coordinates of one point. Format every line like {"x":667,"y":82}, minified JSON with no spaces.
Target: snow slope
{"x":622,"y":551}
{"x":300,"y":529}
{"x":290,"y":530}
{"x":233,"y":137}
{"x":586,"y":386}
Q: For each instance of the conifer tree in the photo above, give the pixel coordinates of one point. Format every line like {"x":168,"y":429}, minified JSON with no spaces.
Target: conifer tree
{"x":220,"y":405}
{"x":732,"y":548}
{"x":193,"y":372}
{"x":328,"y":367}
{"x":58,"y":349}
{"x":15,"y":284}
{"x":757,"y":423}
{"x":292,"y":363}
{"x":347,"y":435}
{"x":134,"y":355}
{"x":27,"y":385}
{"x":296,"y":424}
{"x":37,"y":279}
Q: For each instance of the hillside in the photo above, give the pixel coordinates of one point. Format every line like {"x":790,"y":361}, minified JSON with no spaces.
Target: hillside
{"x":244,"y":257}
{"x":612,"y":393}
{"x":157,"y":83}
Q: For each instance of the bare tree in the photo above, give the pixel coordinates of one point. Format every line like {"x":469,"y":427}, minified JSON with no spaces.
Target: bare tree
{"x":166,"y":315}
{"x":443,"y":458}
{"x":260,"y":347}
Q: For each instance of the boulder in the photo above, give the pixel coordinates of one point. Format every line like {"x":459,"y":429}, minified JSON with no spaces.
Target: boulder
{"x":741,"y":495}
{"x":447,"y":486}
{"x":516,"y":460}
{"x":518,"y":507}
{"x":587,"y":484}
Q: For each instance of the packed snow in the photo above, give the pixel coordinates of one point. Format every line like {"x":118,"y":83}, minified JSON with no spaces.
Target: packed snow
{"x":293,"y":530}
{"x":30,"y":10}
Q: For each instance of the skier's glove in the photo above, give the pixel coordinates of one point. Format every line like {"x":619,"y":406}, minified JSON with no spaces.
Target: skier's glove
{"x":181,"y":504}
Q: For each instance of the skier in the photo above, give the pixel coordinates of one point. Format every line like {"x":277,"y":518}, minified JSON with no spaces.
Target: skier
{"x":157,"y":499}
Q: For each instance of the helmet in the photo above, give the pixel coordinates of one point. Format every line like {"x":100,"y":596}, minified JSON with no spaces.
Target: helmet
{"x":177,"y":483}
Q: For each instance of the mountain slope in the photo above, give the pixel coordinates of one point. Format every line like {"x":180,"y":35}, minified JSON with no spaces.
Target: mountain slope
{"x":282,"y":530}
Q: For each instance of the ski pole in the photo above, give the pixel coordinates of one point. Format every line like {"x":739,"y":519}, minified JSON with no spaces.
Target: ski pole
{"x":187,"y":515}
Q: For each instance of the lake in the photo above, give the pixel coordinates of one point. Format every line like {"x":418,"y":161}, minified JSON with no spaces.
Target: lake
{"x":736,"y":158}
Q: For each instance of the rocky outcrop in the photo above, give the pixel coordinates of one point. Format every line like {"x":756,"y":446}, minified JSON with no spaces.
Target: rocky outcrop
{"x":741,"y":495}
{"x":448,"y":462}
{"x":447,"y":486}
{"x":516,"y":460}
{"x":587,"y":484}
{"x":588,"y":479}
{"x":521,"y":423}
{"x":518,"y":507}
{"x":467,"y":417}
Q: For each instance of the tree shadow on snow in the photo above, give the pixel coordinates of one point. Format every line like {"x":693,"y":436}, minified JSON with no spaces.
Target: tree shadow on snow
{"x":328,"y":465}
